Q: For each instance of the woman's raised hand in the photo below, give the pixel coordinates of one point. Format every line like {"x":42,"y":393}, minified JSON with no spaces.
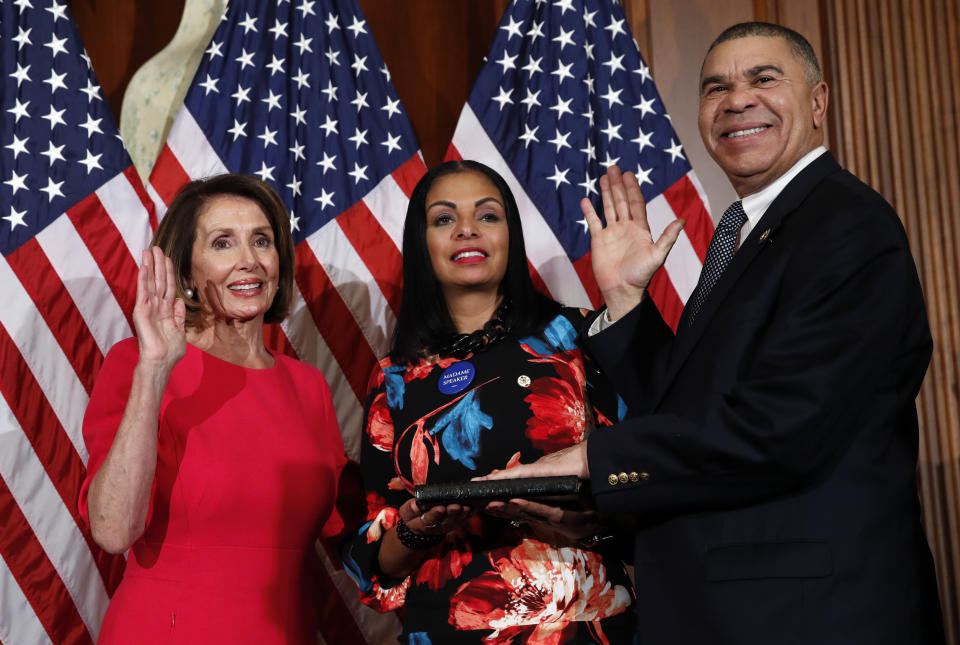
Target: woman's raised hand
{"x":623,"y":252}
{"x":159,"y":315}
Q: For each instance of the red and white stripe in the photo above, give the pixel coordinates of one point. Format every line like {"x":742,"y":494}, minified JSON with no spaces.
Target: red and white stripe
{"x":572,"y":282}
{"x":67,"y":297}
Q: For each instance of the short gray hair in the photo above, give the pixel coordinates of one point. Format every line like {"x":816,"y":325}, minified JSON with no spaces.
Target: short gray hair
{"x":799,"y":45}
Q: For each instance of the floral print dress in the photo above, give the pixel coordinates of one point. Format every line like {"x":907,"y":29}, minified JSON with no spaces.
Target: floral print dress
{"x":445,"y":420}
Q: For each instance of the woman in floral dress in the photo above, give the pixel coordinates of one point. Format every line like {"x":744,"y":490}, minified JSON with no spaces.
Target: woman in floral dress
{"x":484,"y":373}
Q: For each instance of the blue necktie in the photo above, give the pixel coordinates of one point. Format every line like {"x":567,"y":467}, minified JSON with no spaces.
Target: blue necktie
{"x":721,"y":250}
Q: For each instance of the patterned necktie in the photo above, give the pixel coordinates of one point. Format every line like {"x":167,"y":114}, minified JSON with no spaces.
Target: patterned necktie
{"x":721,"y":250}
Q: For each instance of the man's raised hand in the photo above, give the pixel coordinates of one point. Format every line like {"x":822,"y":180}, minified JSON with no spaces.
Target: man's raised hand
{"x":623,"y":252}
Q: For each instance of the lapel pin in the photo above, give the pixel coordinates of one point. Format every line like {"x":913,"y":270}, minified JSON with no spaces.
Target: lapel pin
{"x":764,"y":236}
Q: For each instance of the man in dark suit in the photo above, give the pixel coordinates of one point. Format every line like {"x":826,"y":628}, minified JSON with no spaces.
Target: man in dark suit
{"x":770,"y":448}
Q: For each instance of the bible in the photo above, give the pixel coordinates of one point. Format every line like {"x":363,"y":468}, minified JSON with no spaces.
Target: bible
{"x":566,"y":491}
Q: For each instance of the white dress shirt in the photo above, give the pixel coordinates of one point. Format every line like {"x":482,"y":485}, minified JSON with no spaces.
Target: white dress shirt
{"x":756,"y":205}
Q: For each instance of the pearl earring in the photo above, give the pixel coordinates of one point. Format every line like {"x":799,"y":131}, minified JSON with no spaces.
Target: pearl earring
{"x":188,"y":293}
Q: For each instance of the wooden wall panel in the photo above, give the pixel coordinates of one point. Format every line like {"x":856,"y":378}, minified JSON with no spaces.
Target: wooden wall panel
{"x":434,"y":49}
{"x":894,"y":123}
{"x":680,"y":32}
{"x":637,"y":13}
{"x":802,"y":16}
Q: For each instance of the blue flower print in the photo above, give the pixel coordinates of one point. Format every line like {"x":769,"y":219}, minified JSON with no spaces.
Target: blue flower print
{"x":460,"y":428}
{"x":350,"y":564}
{"x":621,"y":404}
{"x":560,"y":334}
{"x":393,"y":378}
{"x":419,"y":638}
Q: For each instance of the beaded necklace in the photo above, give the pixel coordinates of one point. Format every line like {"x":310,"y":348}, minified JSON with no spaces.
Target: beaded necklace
{"x":461,"y":345}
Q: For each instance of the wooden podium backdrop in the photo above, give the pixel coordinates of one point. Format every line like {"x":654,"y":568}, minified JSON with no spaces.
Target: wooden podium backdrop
{"x":893,"y":67}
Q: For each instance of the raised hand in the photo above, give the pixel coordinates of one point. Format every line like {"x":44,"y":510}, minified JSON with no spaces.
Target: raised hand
{"x":120,"y":491}
{"x":159,"y":315}
{"x":623,"y":252}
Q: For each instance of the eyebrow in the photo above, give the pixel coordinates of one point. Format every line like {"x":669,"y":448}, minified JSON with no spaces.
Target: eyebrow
{"x":710,"y":80}
{"x":479,"y":202}
{"x":760,"y":69}
{"x":487,"y":199}
{"x":753,"y":71}
{"x":227,"y":229}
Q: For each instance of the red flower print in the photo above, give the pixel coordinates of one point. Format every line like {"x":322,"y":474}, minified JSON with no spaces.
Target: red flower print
{"x":559,"y":414}
{"x":419,"y":459}
{"x":384,"y":600}
{"x":558,"y":404}
{"x":569,"y":364}
{"x":602,"y":419}
{"x":375,"y":502}
{"x":424,"y":367}
{"x":385,"y":519}
{"x":535,"y":591}
{"x":380,"y":424}
{"x":438,"y":571}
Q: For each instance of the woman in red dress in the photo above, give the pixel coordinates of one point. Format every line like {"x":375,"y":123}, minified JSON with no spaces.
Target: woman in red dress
{"x":484,"y":373}
{"x":213,"y":459}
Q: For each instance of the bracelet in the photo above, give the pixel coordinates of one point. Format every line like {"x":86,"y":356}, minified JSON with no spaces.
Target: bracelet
{"x":415,"y":541}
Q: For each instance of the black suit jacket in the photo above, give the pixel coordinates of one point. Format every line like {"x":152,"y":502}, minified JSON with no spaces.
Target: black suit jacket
{"x":770,"y":450}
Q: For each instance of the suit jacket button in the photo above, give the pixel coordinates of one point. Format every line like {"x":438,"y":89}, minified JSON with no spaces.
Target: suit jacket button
{"x":644,"y":476}
{"x":634,"y":477}
{"x":623,"y":478}
{"x":613,"y":480}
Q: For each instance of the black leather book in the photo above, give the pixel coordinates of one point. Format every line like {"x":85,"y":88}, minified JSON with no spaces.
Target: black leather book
{"x":561,"y":491}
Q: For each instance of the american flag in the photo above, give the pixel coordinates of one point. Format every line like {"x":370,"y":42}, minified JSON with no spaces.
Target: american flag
{"x":297,"y":93}
{"x":73,"y":221}
{"x":563,"y":94}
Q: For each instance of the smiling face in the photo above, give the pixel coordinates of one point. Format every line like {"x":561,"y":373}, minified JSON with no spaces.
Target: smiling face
{"x":758,"y":114}
{"x":235,"y":265}
{"x":467,"y":234}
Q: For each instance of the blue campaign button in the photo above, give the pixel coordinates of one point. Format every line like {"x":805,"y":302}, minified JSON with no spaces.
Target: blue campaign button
{"x":456,"y":378}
